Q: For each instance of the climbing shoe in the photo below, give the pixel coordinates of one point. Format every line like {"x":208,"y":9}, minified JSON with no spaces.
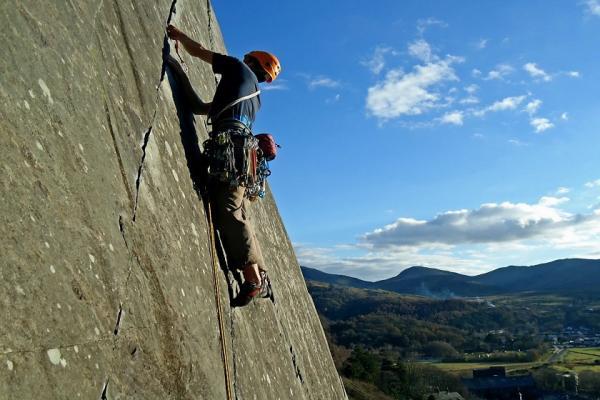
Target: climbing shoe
{"x":250,"y":290}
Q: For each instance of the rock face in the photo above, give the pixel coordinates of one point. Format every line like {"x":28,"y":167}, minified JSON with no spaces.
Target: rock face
{"x":95,"y":304}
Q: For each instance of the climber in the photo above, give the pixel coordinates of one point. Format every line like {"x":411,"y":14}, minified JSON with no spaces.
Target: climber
{"x":232,"y":111}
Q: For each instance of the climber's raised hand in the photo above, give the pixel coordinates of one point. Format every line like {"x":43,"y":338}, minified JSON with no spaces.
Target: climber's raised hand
{"x":174,"y":33}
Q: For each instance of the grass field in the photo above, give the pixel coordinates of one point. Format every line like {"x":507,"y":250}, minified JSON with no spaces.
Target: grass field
{"x":466,"y":367}
{"x":575,"y":359}
{"x":578,"y":359}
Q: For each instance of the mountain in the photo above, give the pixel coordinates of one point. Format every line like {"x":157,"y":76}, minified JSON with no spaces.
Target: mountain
{"x":312,"y":274}
{"x":560,"y":276}
{"x":557,"y":276}
{"x":433,"y":282}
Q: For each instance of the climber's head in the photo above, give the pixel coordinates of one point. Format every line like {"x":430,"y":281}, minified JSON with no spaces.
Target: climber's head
{"x":265,"y":65}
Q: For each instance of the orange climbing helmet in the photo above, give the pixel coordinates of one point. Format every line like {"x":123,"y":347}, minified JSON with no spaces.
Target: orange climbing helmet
{"x":268,"y":62}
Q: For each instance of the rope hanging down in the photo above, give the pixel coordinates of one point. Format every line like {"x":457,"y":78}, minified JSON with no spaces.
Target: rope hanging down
{"x":224,"y":353}
{"x":213,"y":250}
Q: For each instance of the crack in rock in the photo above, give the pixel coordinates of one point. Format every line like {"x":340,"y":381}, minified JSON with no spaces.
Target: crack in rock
{"x":166,"y":50}
{"x":119,"y":319}
{"x":104,"y":393}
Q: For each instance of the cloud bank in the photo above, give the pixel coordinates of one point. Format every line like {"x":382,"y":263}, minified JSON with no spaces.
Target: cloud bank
{"x":490,"y":223}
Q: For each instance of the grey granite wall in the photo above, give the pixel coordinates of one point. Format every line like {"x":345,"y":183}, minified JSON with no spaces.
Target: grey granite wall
{"x":95,"y":304}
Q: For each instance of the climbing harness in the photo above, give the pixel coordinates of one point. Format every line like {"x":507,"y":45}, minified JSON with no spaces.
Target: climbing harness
{"x":224,"y":353}
{"x":235,"y":157}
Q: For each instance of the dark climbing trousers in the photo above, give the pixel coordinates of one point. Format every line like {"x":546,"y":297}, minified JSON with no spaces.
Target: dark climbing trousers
{"x":234,"y":226}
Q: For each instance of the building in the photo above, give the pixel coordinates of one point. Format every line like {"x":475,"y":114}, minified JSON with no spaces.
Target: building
{"x":493,"y":384}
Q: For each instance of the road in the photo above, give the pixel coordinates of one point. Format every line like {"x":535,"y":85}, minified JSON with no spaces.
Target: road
{"x":557,"y":356}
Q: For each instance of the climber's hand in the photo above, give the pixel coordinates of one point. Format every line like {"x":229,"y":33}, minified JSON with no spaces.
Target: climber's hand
{"x":174,"y":33}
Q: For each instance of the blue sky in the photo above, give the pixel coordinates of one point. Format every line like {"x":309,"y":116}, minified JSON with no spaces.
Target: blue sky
{"x":457,"y":136}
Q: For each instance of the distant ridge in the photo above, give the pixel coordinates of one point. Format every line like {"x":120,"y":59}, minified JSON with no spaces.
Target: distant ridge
{"x":575,"y":275}
{"x":312,"y":274}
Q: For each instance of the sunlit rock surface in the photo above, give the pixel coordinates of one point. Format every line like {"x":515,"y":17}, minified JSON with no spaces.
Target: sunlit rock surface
{"x":94,"y":303}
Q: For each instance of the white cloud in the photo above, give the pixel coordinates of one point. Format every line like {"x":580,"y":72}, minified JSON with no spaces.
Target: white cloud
{"x":500,"y":72}
{"x":541,"y":124}
{"x":424,"y":24}
{"x":490,"y":223}
{"x":469,"y":100}
{"x":562,"y":190}
{"x":471,"y":89}
{"x":478,"y":136}
{"x":454,"y":117}
{"x":467,"y":241}
{"x":593,"y":184}
{"x":421,"y":50}
{"x":564,"y":116}
{"x":533,"y":106}
{"x":411,"y":93}
{"x":481,"y":44}
{"x":333,"y":99}
{"x":274,"y":86}
{"x":574,"y":74}
{"x":376,"y":63}
{"x":507,"y":103}
{"x":593,"y":7}
{"x":323,"y":81}
{"x":517,"y":142}
{"x":536,"y":72}
{"x":476,"y":73}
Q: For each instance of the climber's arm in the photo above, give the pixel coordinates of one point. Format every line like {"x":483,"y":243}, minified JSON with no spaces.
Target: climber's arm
{"x":194,"y":48}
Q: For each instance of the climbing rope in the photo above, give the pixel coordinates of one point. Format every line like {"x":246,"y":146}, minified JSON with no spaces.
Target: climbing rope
{"x":224,"y":353}
{"x":213,"y":248}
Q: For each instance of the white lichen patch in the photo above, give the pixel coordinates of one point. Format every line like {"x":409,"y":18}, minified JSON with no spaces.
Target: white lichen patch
{"x":26,"y":104}
{"x":92,"y":258}
{"x":80,"y":147}
{"x":169,"y":151}
{"x":39,"y":146}
{"x":194,"y":232}
{"x":32,"y":218}
{"x":60,"y":134}
{"x":182,"y":292}
{"x":31,"y":94}
{"x":47,"y":245}
{"x":175,"y":175}
{"x":54,"y":356}
{"x":58,"y":306}
{"x":10,"y":365}
{"x":63,"y":362}
{"x":97,"y":331}
{"x":20,"y":290}
{"x":52,"y":269}
{"x":76,"y":349}
{"x":46,"y":91}
{"x":111,"y":247}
